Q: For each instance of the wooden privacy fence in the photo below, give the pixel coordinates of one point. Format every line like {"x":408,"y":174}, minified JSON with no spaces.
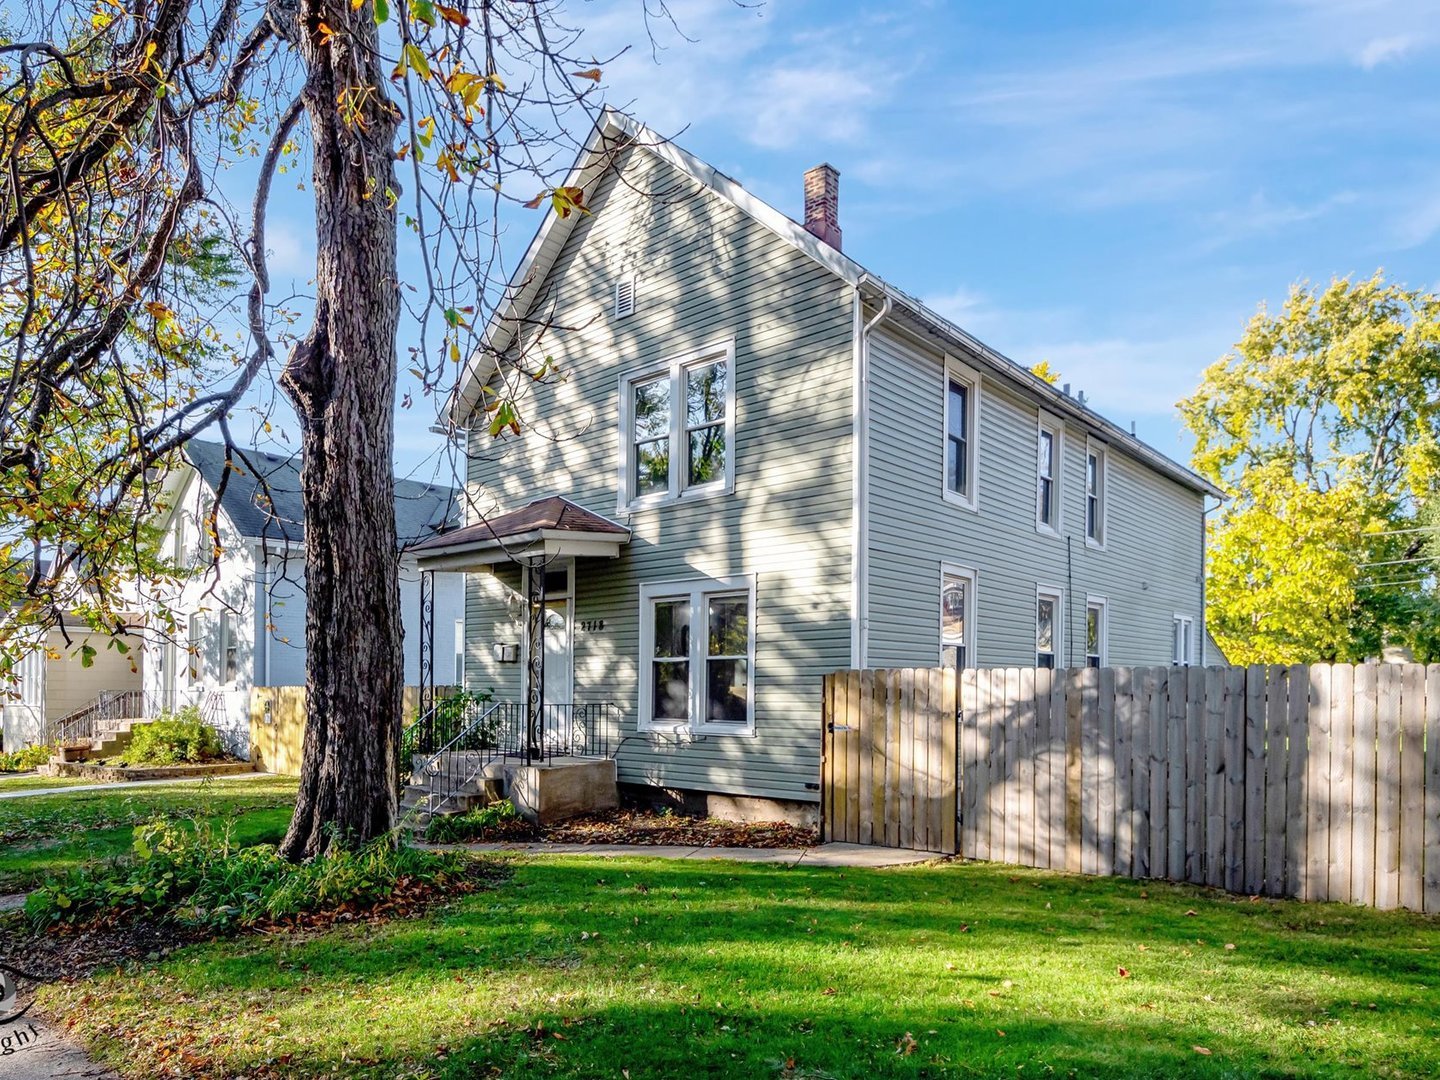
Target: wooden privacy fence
{"x":1319,"y":781}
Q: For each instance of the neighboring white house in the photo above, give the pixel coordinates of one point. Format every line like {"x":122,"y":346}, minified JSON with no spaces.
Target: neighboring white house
{"x":53,"y":681}
{"x":242,"y":623}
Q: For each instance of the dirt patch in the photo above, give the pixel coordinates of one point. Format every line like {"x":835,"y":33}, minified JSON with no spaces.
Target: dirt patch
{"x":646,"y":828}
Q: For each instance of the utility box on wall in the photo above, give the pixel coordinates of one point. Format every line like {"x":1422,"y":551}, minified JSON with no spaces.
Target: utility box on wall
{"x":507,"y":653}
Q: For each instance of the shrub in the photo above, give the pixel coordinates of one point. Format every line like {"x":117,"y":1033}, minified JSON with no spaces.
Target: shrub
{"x":192,"y":874}
{"x":454,"y":828}
{"x":172,"y":739}
{"x":25,"y":759}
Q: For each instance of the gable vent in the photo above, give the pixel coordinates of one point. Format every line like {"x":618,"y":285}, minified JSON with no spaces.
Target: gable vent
{"x":625,"y":297}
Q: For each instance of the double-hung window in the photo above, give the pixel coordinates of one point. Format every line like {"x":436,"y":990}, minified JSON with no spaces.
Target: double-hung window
{"x":229,"y":649}
{"x":697,"y":644}
{"x":1095,"y":479}
{"x":1183,"y":643}
{"x":957,"y":617}
{"x":1049,"y":459}
{"x":678,"y":429}
{"x":195,"y":648}
{"x":1097,"y":631}
{"x":962,"y":415}
{"x":1048,"y":622}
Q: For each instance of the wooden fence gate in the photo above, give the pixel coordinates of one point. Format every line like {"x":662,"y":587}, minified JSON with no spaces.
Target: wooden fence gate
{"x":888,"y":763}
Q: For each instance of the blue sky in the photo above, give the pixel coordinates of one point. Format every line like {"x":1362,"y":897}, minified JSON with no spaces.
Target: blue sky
{"x":1113,"y":187}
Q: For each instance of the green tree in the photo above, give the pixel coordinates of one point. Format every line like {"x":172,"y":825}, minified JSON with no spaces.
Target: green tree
{"x":129,"y":131}
{"x":1323,"y":426}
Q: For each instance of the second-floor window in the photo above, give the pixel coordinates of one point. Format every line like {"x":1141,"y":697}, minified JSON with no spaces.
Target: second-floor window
{"x":1095,"y":495}
{"x":679,"y":428}
{"x":962,"y":411}
{"x":1048,"y":476}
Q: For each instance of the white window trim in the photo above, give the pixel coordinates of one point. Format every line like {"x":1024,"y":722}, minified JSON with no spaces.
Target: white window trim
{"x":1049,"y":422}
{"x":972,"y":582}
{"x":1102,"y":513}
{"x":227,"y":638}
{"x":1051,"y":592}
{"x":1103,"y":603}
{"x":674,"y":368}
{"x":961,"y":373}
{"x":695,"y":590}
{"x":1177,"y":622}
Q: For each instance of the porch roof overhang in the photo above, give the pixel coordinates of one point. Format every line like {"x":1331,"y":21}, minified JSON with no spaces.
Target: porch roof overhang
{"x":546,"y":529}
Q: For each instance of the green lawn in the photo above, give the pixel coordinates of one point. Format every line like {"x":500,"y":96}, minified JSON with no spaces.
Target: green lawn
{"x":588,"y":967}
{"x":45,"y":835}
{"x":31,"y":782}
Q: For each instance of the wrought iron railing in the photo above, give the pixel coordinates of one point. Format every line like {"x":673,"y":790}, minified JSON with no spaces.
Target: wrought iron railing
{"x":85,"y":724}
{"x":450,"y":746}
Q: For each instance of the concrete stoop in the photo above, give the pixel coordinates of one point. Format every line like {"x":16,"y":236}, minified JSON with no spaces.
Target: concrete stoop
{"x":543,"y":794}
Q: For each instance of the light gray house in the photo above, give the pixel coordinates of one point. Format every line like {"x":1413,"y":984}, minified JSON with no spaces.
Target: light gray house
{"x":758,"y":463}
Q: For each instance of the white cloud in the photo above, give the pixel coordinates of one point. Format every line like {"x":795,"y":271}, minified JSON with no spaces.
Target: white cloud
{"x":1384,"y":49}
{"x":1262,"y":216}
{"x":1418,"y":221}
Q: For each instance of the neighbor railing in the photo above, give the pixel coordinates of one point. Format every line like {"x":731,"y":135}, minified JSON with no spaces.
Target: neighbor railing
{"x":84,"y":724}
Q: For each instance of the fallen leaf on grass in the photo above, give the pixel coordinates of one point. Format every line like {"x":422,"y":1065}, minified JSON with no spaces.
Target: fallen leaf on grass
{"x":1124,"y":972}
{"x":829,"y":991}
{"x":1201,"y":1050}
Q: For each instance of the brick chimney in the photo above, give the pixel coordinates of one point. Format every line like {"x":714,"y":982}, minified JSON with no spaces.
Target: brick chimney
{"x":822,"y":204}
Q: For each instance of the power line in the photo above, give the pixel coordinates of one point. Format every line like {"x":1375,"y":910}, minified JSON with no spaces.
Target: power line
{"x":1396,"y":562}
{"x":1386,"y":584}
{"x":1406,"y":532}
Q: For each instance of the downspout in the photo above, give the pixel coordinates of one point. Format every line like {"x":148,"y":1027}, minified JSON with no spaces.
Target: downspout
{"x":860,"y":410}
{"x":1204,"y":610}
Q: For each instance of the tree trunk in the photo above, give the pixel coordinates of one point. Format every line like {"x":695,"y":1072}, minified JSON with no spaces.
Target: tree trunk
{"x":341,"y":378}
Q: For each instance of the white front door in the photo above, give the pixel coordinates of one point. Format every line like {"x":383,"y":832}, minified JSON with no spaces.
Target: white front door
{"x":557,"y":651}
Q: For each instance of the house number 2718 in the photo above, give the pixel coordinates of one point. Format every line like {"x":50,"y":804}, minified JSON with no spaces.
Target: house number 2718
{"x":590,"y":625}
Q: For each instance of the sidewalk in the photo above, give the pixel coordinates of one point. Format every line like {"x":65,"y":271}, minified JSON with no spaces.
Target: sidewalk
{"x":121,"y":785}
{"x":847,"y":855}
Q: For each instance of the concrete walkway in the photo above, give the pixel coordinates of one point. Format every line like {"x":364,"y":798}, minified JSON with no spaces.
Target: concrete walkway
{"x":857,"y":855}
{"x":123,"y":784}
{"x":36,"y":1050}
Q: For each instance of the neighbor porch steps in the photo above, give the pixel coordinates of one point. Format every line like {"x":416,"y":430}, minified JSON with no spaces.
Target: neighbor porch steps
{"x":113,"y":736}
{"x":418,"y":801}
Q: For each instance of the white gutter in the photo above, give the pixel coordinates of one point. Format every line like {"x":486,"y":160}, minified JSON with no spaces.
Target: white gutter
{"x":860,"y":481}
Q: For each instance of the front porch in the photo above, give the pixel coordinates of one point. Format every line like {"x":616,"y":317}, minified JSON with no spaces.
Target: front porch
{"x":533,"y":743}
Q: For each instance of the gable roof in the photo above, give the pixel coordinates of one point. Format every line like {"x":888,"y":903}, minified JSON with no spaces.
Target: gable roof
{"x":614,"y":131}
{"x":421,"y":509}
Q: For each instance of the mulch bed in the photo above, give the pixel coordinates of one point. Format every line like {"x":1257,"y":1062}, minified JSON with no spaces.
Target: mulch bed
{"x":71,"y":952}
{"x":651,"y":829}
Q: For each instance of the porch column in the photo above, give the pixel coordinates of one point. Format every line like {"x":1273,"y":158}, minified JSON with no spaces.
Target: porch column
{"x":535,"y":660}
{"x":427,"y":641}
